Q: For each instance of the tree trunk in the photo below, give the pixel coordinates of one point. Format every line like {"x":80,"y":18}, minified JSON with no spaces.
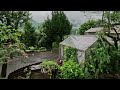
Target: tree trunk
{"x":49,"y":46}
{"x":102,"y":16}
{"x":61,"y":38}
{"x":4,"y":69}
{"x":116,"y":44}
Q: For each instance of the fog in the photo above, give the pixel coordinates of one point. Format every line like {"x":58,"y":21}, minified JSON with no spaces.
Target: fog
{"x":75,"y":17}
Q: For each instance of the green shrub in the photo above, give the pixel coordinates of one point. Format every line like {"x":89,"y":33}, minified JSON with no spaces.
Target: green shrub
{"x":55,"y":45}
{"x":10,"y":52}
{"x":49,"y":65}
{"x":89,"y":24}
{"x":70,"y":70}
{"x":115,"y":60}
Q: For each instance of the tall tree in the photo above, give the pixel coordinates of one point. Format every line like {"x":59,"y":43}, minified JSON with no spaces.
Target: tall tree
{"x":10,"y":46}
{"x":14,"y":18}
{"x":61,"y":24}
{"x":29,"y":37}
{"x":56,"y":27}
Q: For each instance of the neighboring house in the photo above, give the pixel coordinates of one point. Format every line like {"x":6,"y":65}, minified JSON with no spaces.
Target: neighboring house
{"x":82,"y":44}
{"x":93,"y":31}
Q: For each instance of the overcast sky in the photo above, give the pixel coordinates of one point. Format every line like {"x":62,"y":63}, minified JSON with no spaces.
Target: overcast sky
{"x":39,"y":12}
{"x":77,"y":16}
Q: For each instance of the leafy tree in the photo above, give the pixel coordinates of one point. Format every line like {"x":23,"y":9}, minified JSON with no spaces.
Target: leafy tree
{"x":29,"y":37}
{"x":111,"y":21}
{"x":111,"y":18}
{"x":50,"y":34}
{"x":87,"y":25}
{"x":8,"y":35}
{"x":61,"y":24}
{"x":8,"y":48}
{"x":56,"y":28}
{"x":14,"y":18}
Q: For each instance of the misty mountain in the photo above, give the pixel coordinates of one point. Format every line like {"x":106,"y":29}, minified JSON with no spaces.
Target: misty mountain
{"x":75,"y":17}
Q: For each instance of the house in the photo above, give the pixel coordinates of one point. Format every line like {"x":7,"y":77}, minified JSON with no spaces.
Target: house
{"x":82,"y":44}
{"x":93,"y":31}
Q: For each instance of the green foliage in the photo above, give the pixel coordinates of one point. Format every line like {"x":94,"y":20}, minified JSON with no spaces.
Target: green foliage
{"x":71,"y":70}
{"x":49,"y":65}
{"x":9,"y":53}
{"x":29,"y":36}
{"x":55,"y":29}
{"x":111,"y":19}
{"x":70,"y":53}
{"x":55,"y":45}
{"x":61,"y":24}
{"x":8,"y":35}
{"x":115,"y":60}
{"x":98,"y":61}
{"x":87,"y":25}
{"x":15,"y":19}
{"x":112,"y":16}
{"x":10,"y":45}
{"x":75,"y":30}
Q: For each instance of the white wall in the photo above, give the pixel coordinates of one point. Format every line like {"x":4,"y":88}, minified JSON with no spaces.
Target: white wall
{"x":80,"y":56}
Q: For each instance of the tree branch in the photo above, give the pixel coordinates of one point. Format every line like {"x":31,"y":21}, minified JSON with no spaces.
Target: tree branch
{"x":115,"y":24}
{"x":107,"y":41}
{"x":109,"y":36}
{"x":116,"y":33}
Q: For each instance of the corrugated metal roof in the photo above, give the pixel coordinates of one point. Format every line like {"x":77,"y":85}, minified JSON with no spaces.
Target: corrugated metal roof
{"x":81,"y":42}
{"x":95,"y":29}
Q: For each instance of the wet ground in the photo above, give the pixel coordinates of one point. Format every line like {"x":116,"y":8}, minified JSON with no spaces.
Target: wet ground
{"x":33,"y":58}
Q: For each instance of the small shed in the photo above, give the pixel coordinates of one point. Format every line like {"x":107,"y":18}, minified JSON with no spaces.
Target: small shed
{"x":81,"y":43}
